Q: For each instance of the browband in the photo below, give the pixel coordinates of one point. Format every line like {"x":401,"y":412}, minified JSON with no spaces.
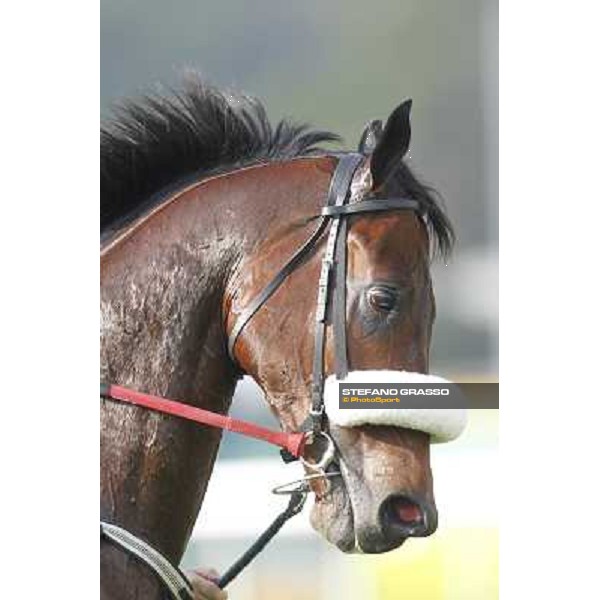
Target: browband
{"x":371,"y":205}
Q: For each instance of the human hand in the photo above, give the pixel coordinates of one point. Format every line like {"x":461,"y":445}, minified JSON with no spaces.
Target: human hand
{"x":204,"y":586}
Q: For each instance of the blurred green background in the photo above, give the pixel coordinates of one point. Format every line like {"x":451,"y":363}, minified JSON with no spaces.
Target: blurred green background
{"x":337,"y":64}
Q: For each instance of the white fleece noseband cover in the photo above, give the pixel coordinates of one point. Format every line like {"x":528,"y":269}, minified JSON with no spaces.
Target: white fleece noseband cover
{"x":443,"y":424}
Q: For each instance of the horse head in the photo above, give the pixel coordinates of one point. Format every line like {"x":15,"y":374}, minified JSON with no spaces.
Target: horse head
{"x":385,"y":492}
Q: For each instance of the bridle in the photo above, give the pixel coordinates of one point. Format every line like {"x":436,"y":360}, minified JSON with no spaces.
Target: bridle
{"x":330,"y":309}
{"x":331,"y":295}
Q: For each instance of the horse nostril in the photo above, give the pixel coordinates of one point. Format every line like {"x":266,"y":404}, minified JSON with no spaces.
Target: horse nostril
{"x":407,"y":511}
{"x":405,"y":516}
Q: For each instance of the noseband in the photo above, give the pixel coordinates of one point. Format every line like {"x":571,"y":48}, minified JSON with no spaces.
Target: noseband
{"x":331,"y":289}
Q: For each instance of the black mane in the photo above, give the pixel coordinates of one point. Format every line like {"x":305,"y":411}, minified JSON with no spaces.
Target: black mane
{"x":152,"y":143}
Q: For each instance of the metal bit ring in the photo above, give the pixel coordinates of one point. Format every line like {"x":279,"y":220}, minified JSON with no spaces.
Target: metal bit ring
{"x":327,"y":456}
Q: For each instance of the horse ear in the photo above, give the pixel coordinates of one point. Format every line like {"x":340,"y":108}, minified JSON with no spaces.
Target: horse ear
{"x":392,"y":145}
{"x":370,"y":137}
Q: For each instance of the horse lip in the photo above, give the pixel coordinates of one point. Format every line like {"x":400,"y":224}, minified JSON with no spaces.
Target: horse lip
{"x":334,"y":469}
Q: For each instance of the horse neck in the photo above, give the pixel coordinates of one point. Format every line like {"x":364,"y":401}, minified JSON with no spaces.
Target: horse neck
{"x":161,"y":296}
{"x":163,"y":284}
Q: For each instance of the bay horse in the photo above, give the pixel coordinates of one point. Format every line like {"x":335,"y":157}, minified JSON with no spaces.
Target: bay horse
{"x":202,"y":200}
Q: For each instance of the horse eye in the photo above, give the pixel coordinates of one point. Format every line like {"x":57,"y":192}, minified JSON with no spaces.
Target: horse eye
{"x":382,"y":298}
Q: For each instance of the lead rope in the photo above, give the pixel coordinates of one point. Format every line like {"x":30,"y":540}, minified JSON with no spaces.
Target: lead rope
{"x":294,"y":507}
{"x":298,"y":495}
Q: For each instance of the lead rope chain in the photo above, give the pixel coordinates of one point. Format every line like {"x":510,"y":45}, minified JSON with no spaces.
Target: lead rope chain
{"x":294,"y":507}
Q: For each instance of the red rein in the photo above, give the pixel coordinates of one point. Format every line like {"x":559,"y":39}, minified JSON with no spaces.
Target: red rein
{"x":292,"y":442}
